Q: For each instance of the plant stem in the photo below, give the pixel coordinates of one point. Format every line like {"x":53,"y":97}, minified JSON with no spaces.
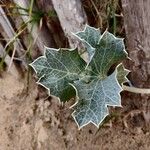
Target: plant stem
{"x":31,"y":8}
{"x":98,"y":13}
{"x":136,"y":90}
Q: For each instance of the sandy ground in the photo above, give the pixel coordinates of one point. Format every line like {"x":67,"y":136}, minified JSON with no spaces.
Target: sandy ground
{"x":33,"y":122}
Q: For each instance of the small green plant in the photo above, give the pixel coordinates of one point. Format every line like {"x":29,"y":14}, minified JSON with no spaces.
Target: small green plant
{"x":66,"y":75}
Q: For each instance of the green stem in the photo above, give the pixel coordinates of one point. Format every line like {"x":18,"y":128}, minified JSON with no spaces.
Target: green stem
{"x":31,"y":8}
{"x":113,"y":7}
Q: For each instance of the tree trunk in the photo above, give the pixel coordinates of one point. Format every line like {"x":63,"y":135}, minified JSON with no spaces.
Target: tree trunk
{"x":137,"y":27}
{"x":71,"y":16}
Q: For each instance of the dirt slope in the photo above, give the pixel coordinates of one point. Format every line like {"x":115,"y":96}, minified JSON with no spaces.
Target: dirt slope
{"x":32,"y":122}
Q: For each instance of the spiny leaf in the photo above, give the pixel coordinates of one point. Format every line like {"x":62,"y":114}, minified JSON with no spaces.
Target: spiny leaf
{"x":90,"y":38}
{"x":89,"y":35}
{"x":122,"y":74}
{"x":109,"y":51}
{"x":101,"y":90}
{"x":94,"y":98}
{"x":57,"y":69}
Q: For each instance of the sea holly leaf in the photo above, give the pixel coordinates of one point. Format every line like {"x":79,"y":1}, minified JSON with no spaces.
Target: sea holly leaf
{"x":109,"y":51}
{"x":65,"y":74}
{"x":56,"y":69}
{"x":95,"y":95}
{"x":90,"y":35}
{"x":101,"y":90}
{"x":90,"y":38}
{"x":122,"y":74}
{"x":93,"y":99}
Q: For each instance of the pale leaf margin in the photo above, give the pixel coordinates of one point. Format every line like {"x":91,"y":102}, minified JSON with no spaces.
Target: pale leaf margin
{"x":116,"y":38}
{"x":77,"y":99}
{"x":127,"y":71}
{"x":44,"y":56}
{"x":74,"y":34}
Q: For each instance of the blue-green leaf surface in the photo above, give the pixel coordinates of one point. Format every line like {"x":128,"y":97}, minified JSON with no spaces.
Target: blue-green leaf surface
{"x":57,"y":69}
{"x":98,"y":90}
{"x":93,"y":99}
{"x":65,"y":74}
{"x":122,"y":74}
{"x":90,"y":38}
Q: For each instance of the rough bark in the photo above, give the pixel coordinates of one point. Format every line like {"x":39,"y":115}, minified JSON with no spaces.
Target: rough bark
{"x":52,"y":22}
{"x":137,"y":26}
{"x":71,"y":16}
